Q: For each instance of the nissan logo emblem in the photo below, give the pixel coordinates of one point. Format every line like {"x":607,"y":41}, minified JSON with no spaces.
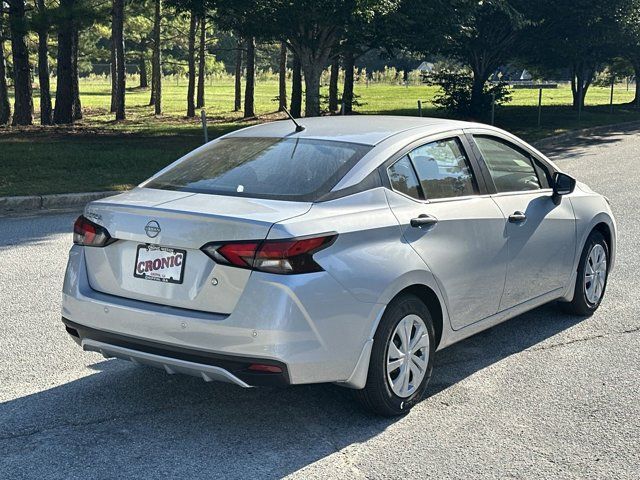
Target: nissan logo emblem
{"x":152,"y":228}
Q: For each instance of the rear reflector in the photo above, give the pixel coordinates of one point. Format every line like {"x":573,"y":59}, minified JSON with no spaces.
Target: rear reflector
{"x":90,"y":234}
{"x":274,"y":256}
{"x":258,"y":367}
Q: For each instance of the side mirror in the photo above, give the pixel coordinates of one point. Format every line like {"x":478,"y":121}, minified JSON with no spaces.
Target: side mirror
{"x":563,"y":184}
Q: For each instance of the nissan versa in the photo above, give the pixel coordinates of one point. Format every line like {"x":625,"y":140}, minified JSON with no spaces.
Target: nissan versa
{"x":347,"y":250}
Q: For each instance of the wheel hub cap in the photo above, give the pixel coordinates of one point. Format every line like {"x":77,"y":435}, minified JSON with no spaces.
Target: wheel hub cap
{"x":407,"y":356}
{"x":595,"y":274}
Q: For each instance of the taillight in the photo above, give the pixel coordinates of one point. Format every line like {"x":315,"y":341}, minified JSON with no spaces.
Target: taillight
{"x":90,"y":234}
{"x":273,"y":256}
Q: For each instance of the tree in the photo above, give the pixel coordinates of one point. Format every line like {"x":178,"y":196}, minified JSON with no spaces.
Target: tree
{"x":201,"y":61}
{"x":63,"y":113}
{"x":578,"y":35}
{"x":282,"y":78}
{"x":117,"y":34}
{"x":194,"y":9}
{"x":75,"y":76}
{"x":480,"y":35}
{"x":42,"y":25}
{"x":237,"y":105}
{"x":191,"y":107}
{"x":347,"y":91}
{"x":628,"y":21}
{"x":333,"y":84}
{"x":156,"y":65}
{"x":296,"y":88}
{"x":311,"y":28}
{"x":5,"y":108}
{"x":250,"y":80}
{"x":23,"y":103}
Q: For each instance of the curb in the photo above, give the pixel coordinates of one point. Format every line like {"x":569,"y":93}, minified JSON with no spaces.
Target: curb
{"x":42,"y":203}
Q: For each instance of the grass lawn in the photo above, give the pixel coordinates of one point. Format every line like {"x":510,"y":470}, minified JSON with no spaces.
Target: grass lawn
{"x":100,"y":154}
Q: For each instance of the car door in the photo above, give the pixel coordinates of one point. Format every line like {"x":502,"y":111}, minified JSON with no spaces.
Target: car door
{"x":540,"y":233}
{"x":456,"y":229}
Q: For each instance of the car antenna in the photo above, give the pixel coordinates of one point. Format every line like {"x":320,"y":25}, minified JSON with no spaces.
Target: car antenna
{"x":299,"y":128}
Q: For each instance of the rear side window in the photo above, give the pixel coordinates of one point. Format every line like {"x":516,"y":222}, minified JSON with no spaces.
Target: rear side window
{"x":443,"y":170}
{"x":403,"y":178}
{"x":511,"y":169}
{"x":276,"y":168}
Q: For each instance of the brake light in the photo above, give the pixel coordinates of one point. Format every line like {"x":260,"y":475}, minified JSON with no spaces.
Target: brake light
{"x":274,"y":256}
{"x":90,"y":234}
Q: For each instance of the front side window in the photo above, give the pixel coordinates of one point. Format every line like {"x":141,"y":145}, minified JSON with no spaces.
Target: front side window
{"x":276,"y":168}
{"x":443,"y":170}
{"x":511,"y":169}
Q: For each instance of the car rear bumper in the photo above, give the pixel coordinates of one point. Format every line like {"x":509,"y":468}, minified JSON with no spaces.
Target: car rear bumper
{"x":172,"y":359}
{"x":309,"y":325}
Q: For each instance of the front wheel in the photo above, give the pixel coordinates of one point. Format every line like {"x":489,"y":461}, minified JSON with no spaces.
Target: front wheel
{"x":591,"y":281}
{"x":401,"y":358}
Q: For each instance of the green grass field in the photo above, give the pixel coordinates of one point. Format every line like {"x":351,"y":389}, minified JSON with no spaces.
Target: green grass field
{"x":100,"y":154}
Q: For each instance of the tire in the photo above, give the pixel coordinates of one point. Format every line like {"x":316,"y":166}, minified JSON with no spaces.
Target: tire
{"x":581,"y":304}
{"x":378,"y":396}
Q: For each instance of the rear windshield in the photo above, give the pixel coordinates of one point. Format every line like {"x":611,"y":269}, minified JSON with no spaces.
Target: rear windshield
{"x":277,"y":168}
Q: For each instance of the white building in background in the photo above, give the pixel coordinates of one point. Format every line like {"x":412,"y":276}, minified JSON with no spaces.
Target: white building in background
{"x":426,"y":67}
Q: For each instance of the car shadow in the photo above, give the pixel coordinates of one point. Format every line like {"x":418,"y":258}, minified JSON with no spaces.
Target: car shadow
{"x":127,"y":421}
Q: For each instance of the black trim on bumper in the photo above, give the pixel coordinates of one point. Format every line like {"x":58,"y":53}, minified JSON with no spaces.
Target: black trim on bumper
{"x":235,"y":365}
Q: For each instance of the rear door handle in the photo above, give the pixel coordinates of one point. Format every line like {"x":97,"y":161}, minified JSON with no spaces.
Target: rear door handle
{"x":517,"y":217}
{"x":423,"y":221}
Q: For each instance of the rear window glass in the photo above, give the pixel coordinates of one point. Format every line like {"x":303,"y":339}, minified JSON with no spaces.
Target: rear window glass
{"x":277,"y":168}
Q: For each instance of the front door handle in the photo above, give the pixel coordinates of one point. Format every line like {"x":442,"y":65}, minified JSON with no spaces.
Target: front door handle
{"x":517,"y":217}
{"x":423,"y":221}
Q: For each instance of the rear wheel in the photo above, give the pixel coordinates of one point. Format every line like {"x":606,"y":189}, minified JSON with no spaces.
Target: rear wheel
{"x":591,"y":281}
{"x":401,"y":358}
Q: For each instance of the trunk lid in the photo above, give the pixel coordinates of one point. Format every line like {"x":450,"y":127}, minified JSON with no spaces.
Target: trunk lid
{"x":182,"y":222}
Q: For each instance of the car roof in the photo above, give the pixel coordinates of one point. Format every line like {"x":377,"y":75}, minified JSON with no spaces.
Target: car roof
{"x":363,"y":129}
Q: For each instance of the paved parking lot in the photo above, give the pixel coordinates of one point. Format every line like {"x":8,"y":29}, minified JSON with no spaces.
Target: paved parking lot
{"x":545,"y":395}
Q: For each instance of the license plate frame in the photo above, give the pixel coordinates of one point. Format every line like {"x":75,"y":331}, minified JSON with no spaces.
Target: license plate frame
{"x":160,"y":253}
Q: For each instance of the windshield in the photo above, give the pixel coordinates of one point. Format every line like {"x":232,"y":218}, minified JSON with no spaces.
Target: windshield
{"x":276,"y":168}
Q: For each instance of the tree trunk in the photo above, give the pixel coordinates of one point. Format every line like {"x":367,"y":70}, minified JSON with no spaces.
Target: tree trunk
{"x":191,"y":107}
{"x":581,"y":79}
{"x":201,"y":62}
{"x":63,"y":112}
{"x":77,"y":106}
{"x":312,"y":72}
{"x":480,"y":77}
{"x":249,"y":110}
{"x":282,"y":78}
{"x":636,"y":72}
{"x":333,"y":84}
{"x":5,"y":107}
{"x":114,"y":74}
{"x":43,"y":65}
{"x":117,"y":27}
{"x":156,"y":72}
{"x":23,"y":106}
{"x":347,"y":93}
{"x":142,"y":65}
{"x":237,"y":106}
{"x":296,"y":88}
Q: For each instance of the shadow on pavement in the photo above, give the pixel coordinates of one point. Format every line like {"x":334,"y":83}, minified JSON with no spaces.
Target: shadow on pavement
{"x":604,"y":136}
{"x":131,"y":420}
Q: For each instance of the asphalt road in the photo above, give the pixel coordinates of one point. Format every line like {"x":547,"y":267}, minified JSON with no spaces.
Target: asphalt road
{"x":544,"y":395}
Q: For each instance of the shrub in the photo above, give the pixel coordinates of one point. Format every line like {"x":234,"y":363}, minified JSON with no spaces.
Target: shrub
{"x":455,"y":96}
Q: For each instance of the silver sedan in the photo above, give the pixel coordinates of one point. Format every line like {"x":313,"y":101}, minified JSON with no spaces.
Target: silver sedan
{"x":347,"y":250}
